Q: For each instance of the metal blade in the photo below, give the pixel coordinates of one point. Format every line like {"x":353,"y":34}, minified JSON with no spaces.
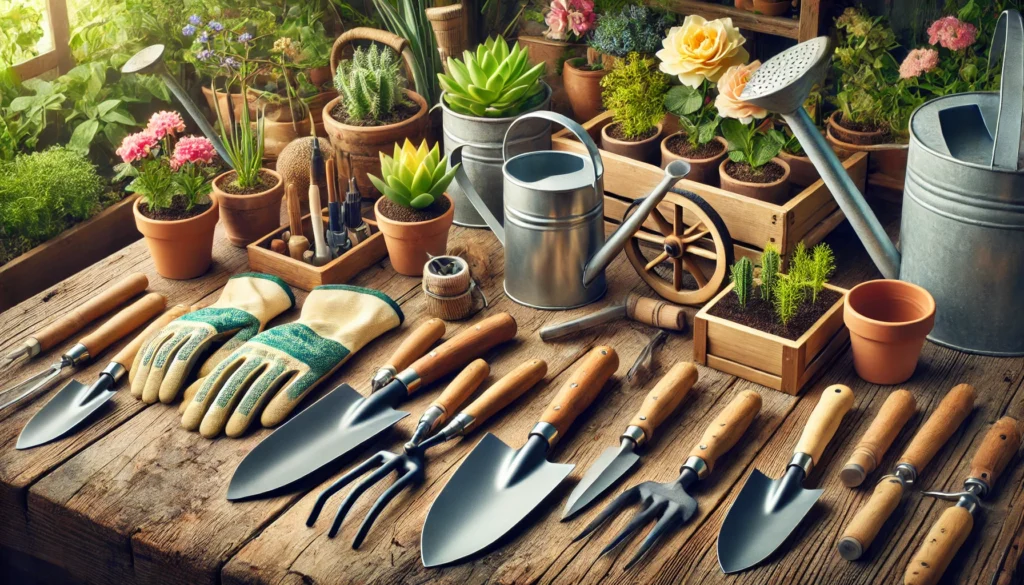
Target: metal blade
{"x":30,"y":386}
{"x":611,"y":466}
{"x":329,"y":429}
{"x":495,"y":488}
{"x":66,"y":410}
{"x":764,"y":514}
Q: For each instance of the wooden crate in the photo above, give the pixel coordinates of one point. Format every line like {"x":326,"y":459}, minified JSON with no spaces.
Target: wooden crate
{"x":810,"y":215}
{"x":306,"y":276}
{"x":766,"y":359}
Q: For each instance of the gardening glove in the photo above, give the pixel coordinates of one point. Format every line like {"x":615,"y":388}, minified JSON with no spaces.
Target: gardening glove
{"x":281,"y":365}
{"x":246,"y":304}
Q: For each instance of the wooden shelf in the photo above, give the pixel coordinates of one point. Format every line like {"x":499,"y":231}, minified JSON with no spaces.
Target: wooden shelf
{"x":802,"y":29}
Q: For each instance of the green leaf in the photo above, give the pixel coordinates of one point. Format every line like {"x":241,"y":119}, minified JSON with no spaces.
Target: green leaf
{"x":118,"y":117}
{"x":707,"y":131}
{"x":737,"y":156}
{"x":83,"y":135}
{"x":683,"y":100}
{"x":421,"y":201}
{"x":736,"y":133}
{"x":107,"y":106}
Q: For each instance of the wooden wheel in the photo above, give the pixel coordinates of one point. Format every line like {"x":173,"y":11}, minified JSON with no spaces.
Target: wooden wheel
{"x":684,"y":264}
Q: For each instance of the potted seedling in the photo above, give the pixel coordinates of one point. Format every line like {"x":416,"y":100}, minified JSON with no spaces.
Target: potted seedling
{"x":583,"y":85}
{"x":777,"y":330}
{"x":635,"y":92}
{"x":415,"y":213}
{"x":698,"y":143}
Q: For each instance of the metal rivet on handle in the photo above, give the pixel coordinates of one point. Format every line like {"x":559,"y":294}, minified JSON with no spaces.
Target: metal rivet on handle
{"x":573,"y":385}
{"x":643,"y":417}
{"x":558,"y":407}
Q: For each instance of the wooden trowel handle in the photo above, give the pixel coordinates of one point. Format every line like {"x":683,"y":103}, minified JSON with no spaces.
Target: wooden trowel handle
{"x":997,"y":448}
{"x":468,"y":380}
{"x":580,"y":389}
{"x":941,"y":544}
{"x":470,"y":343}
{"x":895,"y":412}
{"x":868,"y":521}
{"x":727,"y":428}
{"x":819,"y":429}
{"x":503,"y":392}
{"x":126,"y":356}
{"x":939,"y":427}
{"x":655,"y":312}
{"x":665,"y":397}
{"x":417,"y":344}
{"x":123,"y":323}
{"x":91,"y":310}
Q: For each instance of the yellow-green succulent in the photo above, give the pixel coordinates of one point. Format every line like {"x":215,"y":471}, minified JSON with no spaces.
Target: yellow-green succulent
{"x":493,"y":82}
{"x":414,"y":177}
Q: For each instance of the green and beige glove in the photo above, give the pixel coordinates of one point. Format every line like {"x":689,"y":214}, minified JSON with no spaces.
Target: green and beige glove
{"x":278,"y":367}
{"x":246,"y":304}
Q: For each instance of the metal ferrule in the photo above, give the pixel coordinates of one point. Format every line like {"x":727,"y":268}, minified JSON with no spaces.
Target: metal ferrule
{"x":77,"y":354}
{"x":115,"y":370}
{"x":803,"y":461}
{"x":635,"y":434}
{"x":546,"y":431}
{"x":382,"y":377}
{"x":426,"y":423}
{"x":697,"y":465}
{"x":410,"y":379}
{"x":457,"y":425}
{"x":977,"y":486}
{"x":906,"y":473}
{"x":32,"y":347}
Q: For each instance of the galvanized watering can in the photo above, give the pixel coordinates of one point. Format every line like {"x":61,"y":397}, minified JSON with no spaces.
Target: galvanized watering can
{"x":553,"y":230}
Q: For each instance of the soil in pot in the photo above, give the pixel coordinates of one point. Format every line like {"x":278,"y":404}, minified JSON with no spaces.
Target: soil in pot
{"x":266,"y":180}
{"x":177,"y":211}
{"x":704,"y":158}
{"x":769,"y":173}
{"x":770,"y":183}
{"x":760,"y":314}
{"x":857,"y":133}
{"x":401,"y":113}
{"x":396,"y":212}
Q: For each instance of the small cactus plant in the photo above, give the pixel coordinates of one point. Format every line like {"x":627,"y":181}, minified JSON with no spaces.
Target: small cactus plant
{"x":770,"y":261}
{"x":789,"y":294}
{"x":371,"y":84}
{"x":743,"y":280}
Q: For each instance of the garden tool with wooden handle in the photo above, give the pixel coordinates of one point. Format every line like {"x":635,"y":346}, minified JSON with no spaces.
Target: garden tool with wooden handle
{"x":930,"y":438}
{"x":89,"y":346}
{"x":655,"y":313}
{"x":894,"y":414}
{"x":950,"y":531}
{"x":412,"y":347}
{"x":297,"y":243}
{"x":321,"y":255}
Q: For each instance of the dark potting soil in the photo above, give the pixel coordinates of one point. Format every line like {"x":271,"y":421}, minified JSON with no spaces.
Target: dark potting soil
{"x":616,"y":132}
{"x":858,"y":126}
{"x":769,"y":173}
{"x":175,"y":212}
{"x":265,"y":181}
{"x":760,"y":314}
{"x":400,"y":113}
{"x":396,"y":212}
{"x":679,"y":144}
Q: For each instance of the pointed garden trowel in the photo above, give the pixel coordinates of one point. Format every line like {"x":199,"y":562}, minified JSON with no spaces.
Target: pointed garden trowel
{"x":616,"y":462}
{"x":343,"y":420}
{"x":767,"y":511}
{"x":496,"y":487}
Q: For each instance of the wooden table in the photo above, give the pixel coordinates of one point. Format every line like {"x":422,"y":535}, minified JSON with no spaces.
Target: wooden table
{"x":136,"y":499}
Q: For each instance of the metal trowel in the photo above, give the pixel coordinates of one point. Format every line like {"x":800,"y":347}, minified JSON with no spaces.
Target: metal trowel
{"x":767,"y":511}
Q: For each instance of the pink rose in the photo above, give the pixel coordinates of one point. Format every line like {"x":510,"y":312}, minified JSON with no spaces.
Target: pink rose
{"x":137,"y":146}
{"x":917,"y":62}
{"x":165,"y":123}
{"x":581,"y":23}
{"x":952,"y":33}
{"x":192,"y":149}
{"x":557,"y":20}
{"x":730,"y":87}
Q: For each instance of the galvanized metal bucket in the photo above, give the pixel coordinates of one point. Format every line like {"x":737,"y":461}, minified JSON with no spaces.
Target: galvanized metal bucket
{"x":482,"y":141}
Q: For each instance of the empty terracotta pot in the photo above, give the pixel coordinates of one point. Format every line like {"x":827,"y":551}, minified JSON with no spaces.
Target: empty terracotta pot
{"x":888,"y":322}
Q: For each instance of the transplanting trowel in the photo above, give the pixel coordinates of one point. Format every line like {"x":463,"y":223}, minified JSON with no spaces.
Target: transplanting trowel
{"x":496,"y":486}
{"x":767,"y":511}
{"x":343,"y":420}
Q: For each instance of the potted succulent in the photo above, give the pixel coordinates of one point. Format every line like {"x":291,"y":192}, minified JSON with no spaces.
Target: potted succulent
{"x":633,"y":29}
{"x":698,"y":143}
{"x":635,"y":92}
{"x":582,"y":82}
{"x":373,"y":111}
{"x":415,"y":213}
{"x":568,"y":24}
{"x":174,"y":211}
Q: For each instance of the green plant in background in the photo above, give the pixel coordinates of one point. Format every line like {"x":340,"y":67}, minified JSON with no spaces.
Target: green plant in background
{"x":493,"y":82}
{"x":696,"y":110}
{"x":21,"y":30}
{"x":632,"y":29}
{"x":770,"y":264}
{"x":751,"y":146}
{"x":407,"y":19}
{"x":787,"y":298}
{"x":24,"y":117}
{"x":371,"y":84}
{"x":823,"y":264}
{"x":791,"y":144}
{"x":414,"y":177}
{"x":349,"y":17}
{"x":243,"y":144}
{"x":635,"y":90}
{"x":743,"y":280}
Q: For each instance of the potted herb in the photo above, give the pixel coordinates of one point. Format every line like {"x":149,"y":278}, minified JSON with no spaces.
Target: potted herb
{"x":633,"y":29}
{"x":210,"y":39}
{"x":635,"y":92}
{"x":698,"y":143}
{"x":373,"y":111}
{"x":174,"y":211}
{"x":415,"y":213}
{"x":582,"y":82}
{"x":802,"y":171}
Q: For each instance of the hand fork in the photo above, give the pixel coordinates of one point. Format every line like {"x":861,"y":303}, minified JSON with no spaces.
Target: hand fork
{"x":670,"y":502}
{"x":410,"y":465}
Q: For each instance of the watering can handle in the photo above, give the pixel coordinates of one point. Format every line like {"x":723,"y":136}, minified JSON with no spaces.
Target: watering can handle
{"x":568,"y":124}
{"x":1008,"y":40}
{"x":455,"y":158}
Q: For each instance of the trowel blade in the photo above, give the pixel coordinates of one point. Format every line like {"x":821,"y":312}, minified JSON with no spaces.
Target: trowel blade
{"x":65,"y":411}
{"x":614,"y":464}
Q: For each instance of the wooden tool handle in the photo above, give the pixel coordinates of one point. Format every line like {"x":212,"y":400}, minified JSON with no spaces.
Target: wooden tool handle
{"x":997,"y":448}
{"x":332,"y":177}
{"x":939,"y":427}
{"x":123,"y":323}
{"x":580,"y":389}
{"x":90,"y":310}
{"x":835,"y":401}
{"x":895,"y":412}
{"x":464,"y":385}
{"x":727,"y":428}
{"x":470,"y":343}
{"x":126,"y":356}
{"x":500,"y":394}
{"x":417,"y":344}
{"x":655,"y":312}
{"x":941,"y":544}
{"x":665,"y":397}
{"x":294,"y":210}
{"x":866,"y":523}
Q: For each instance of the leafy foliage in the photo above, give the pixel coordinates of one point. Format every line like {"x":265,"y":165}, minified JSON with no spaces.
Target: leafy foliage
{"x":493,"y":82}
{"x":696,"y":110}
{"x":749,"y":145}
{"x":634,"y":29}
{"x":370,"y":84}
{"x":770,"y":262}
{"x":414,"y":177}
{"x":635,"y":89}
{"x":788,"y":296}
{"x":21,"y":30}
{"x":407,"y":19}
{"x":743,"y":280}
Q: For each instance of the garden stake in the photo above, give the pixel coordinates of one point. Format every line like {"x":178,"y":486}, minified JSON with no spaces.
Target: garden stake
{"x":321,"y":255}
{"x":297,"y":243}
{"x":337,"y":239}
{"x":357,"y":229}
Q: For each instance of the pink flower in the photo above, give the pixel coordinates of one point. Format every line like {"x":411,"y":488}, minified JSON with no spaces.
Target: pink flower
{"x":952,"y":33}
{"x":192,"y":149}
{"x":581,"y":23}
{"x":730,"y":87}
{"x":557,"y":20}
{"x":917,"y":62}
{"x":565,"y":16}
{"x":137,"y":146}
{"x":163,"y":123}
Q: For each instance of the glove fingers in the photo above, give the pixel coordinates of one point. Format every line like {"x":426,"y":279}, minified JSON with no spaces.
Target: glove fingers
{"x":144,"y":361}
{"x":285,"y":401}
{"x":234,"y":388}
{"x":262,"y":389}
{"x":158,"y":368}
{"x":190,"y":394}
{"x":219,"y":355}
{"x":204,"y":396}
{"x":181,"y":364}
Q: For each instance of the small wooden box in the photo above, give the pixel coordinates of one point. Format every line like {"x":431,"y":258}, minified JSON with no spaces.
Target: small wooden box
{"x":766,"y":359}
{"x":306,"y":276}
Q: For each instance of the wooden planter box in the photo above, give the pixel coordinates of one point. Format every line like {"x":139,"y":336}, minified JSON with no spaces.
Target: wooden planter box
{"x":810,"y":215}
{"x":71,"y":251}
{"x":306,"y":276}
{"x":766,"y":359}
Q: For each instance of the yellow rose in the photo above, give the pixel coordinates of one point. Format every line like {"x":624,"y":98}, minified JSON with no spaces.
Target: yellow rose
{"x":700,"y":50}
{"x":730,"y":87}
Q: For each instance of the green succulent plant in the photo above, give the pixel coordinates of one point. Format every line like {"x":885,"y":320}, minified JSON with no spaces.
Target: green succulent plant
{"x":743,"y":280}
{"x":493,"y":82}
{"x":414,"y":177}
{"x":371,"y":84}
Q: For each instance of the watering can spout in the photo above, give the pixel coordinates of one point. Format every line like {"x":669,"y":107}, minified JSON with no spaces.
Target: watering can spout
{"x":675,"y":171}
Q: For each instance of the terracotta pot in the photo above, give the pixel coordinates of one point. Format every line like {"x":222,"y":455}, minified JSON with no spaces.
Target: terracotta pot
{"x":644,"y":151}
{"x":770,"y":7}
{"x":584,"y":90}
{"x":776,"y":192}
{"x":318,"y":76}
{"x":887,"y":163}
{"x":180,"y":249}
{"x":802,"y":171}
{"x":248,"y":218}
{"x":852,"y":136}
{"x":360,"y":146}
{"x":888,"y":322}
{"x":409,"y":244}
{"x":278,"y":110}
{"x":702,"y":170}
{"x":222,"y":104}
{"x":553,"y":54}
{"x":595,"y":56}
{"x":278,"y":135}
